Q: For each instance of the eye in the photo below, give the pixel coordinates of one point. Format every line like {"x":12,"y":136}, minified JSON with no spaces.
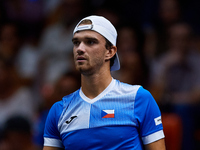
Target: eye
{"x":76,"y":43}
{"x":91,"y":42}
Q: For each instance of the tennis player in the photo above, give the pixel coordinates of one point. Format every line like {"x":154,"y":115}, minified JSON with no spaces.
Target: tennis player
{"x":104,"y":114}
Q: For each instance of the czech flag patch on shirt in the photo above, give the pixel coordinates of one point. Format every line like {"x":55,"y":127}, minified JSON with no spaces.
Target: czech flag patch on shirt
{"x":107,"y":113}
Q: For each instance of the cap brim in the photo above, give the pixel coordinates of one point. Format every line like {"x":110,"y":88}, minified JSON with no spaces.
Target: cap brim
{"x":116,"y":65}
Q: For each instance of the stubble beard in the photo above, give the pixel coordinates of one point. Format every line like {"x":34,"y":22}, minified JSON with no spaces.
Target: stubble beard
{"x":89,"y":70}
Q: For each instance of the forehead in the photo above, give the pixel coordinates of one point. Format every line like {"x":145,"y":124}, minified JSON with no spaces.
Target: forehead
{"x":88,"y":34}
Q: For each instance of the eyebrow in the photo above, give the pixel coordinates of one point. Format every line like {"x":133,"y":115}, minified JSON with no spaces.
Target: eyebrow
{"x":74,"y":39}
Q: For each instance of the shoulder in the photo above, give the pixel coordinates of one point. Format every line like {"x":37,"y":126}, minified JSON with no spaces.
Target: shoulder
{"x":144,"y":98}
{"x":56,"y":109}
{"x":53,"y":116}
{"x":145,"y":102}
{"x":68,"y":98}
{"x":126,"y":88}
{"x":143,"y":93}
{"x":59,"y":105}
{"x":71,"y":95}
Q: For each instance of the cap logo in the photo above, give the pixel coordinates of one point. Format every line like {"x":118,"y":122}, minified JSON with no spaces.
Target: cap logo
{"x":85,"y":27}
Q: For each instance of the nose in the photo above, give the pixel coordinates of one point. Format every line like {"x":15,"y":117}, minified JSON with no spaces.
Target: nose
{"x":81,"y":48}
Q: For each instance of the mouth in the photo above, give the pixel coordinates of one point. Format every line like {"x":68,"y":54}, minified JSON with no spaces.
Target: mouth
{"x":80,"y":59}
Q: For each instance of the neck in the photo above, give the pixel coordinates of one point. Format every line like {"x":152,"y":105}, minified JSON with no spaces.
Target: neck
{"x":94,"y":84}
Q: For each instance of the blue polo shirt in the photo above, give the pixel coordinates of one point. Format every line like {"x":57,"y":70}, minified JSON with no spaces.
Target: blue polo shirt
{"x":123,"y":116}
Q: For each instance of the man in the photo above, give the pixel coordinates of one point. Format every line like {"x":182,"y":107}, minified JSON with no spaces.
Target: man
{"x":104,"y":113}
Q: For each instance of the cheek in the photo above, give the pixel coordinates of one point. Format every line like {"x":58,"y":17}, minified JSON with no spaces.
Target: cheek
{"x":74,"y":53}
{"x":100,"y":51}
{"x":98,"y":55}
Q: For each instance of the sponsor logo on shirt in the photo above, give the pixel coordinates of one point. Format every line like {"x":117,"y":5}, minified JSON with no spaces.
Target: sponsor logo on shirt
{"x":158,"y":120}
{"x":107,"y":113}
{"x":70,"y":120}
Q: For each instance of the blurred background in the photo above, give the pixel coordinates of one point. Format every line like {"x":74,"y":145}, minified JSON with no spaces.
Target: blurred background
{"x":158,"y":45}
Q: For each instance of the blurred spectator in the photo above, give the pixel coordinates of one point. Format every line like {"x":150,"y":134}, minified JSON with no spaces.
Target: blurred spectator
{"x":17,"y":134}
{"x":27,"y":60}
{"x":176,"y":82}
{"x":110,"y":14}
{"x":28,"y":14}
{"x":168,"y":13}
{"x":131,"y":11}
{"x":56,"y":45}
{"x":9,"y":41}
{"x":23,"y":58}
{"x":66,"y":84}
{"x":106,"y":9}
{"x":14,"y":98}
{"x":190,"y":10}
{"x":133,"y":68}
{"x":50,"y":6}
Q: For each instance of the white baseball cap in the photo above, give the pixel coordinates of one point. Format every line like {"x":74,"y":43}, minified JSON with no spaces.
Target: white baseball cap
{"x":103,"y":27}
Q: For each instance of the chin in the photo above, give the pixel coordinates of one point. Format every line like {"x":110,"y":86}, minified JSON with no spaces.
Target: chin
{"x":81,"y":69}
{"x":85,"y":71}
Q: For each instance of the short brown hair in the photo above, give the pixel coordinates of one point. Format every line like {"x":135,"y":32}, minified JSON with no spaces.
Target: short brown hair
{"x":84,"y":22}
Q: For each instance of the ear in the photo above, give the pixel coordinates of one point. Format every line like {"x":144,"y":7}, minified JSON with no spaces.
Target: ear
{"x":110,"y":52}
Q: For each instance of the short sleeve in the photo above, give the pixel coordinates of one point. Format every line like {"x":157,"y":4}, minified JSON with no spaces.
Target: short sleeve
{"x":148,"y":116}
{"x":51,"y":132}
